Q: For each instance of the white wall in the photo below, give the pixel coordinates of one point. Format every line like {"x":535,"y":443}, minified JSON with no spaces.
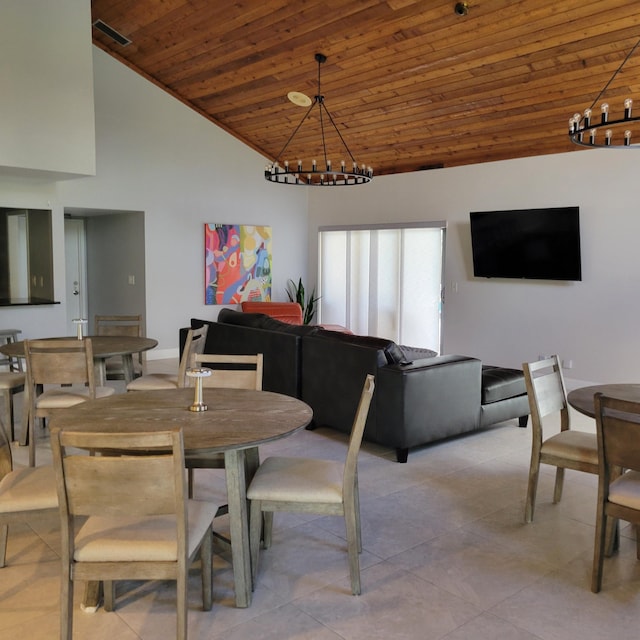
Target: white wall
{"x":46,"y":107}
{"x":157,"y":156}
{"x":593,"y":322}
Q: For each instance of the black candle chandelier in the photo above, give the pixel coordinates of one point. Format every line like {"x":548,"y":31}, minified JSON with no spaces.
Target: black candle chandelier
{"x":320,"y":173}
{"x":587,"y":130}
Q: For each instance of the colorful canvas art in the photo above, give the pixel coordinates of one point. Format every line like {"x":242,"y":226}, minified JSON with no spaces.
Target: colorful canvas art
{"x":237,"y":263}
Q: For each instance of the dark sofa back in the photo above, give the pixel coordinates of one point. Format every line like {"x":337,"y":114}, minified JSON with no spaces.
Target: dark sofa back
{"x":334,"y":369}
{"x":250,"y":333}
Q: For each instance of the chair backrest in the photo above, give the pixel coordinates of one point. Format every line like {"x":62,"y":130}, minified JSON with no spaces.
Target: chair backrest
{"x":194,"y":344}
{"x":123,"y":484}
{"x":55,"y":361}
{"x":118,"y":325}
{"x":618,"y":433}
{"x":357,"y":431}
{"x":231,"y":371}
{"x":546,"y":391}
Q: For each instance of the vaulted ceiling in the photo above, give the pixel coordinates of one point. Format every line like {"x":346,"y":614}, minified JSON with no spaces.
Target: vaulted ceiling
{"x":410,"y":83}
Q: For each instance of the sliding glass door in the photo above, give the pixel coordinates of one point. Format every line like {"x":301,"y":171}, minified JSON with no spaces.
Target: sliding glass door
{"x":384,"y":280}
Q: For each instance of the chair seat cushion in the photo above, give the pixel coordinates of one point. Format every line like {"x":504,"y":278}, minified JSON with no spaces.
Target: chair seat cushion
{"x":297,"y":480}
{"x":625,"y":490}
{"x":10,"y":380}
{"x":154,"y":381}
{"x":60,"y":398}
{"x":28,"y":489}
{"x":578,"y":446}
{"x":499,"y":383}
{"x":148,"y":538}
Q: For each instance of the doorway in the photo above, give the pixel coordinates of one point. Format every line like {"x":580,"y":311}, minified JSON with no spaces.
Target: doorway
{"x":105,"y":257}
{"x":75,"y":250}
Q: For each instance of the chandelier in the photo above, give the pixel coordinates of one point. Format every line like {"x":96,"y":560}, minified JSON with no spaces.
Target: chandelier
{"x":320,"y":173}
{"x":587,"y":130}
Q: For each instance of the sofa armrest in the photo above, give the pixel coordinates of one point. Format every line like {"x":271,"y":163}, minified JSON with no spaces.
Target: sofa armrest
{"x":427,"y":400}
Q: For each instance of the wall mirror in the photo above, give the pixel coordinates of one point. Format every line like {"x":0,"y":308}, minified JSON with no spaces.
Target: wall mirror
{"x":26,"y":257}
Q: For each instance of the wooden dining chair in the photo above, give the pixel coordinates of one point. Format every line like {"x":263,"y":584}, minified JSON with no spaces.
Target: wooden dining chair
{"x":194,"y":344}
{"x":567,"y":449}
{"x":126,"y":516}
{"x":58,"y":362}
{"x":120,"y":325}
{"x":229,"y":372}
{"x":10,"y":384}
{"x":27,"y":494}
{"x":309,"y":485}
{"x":618,"y":434}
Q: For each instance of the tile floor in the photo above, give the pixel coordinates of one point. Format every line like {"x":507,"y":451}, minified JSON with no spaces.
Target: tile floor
{"x":446,"y":555}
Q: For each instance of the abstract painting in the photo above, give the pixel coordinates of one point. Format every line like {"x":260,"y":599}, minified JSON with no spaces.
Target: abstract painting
{"x":237,"y":263}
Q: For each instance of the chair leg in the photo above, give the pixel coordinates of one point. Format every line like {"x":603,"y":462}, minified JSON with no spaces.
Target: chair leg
{"x":7,"y":414}
{"x":598,"y":549}
{"x":66,"y":604}
{"x":356,"y":498}
{"x":255,"y":532}
{"x":109,"y":591}
{"x":32,"y":440}
{"x":206,"y":560}
{"x":612,"y":537}
{"x":267,"y":529}
{"x":190,"y":483}
{"x":352,"y":546}
{"x":181,"y":605}
{"x":4,"y":534}
{"x":557,"y":491}
{"x":532,"y":489}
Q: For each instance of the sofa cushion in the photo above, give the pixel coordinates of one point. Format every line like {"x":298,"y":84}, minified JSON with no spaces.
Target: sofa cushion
{"x":289,"y":312}
{"x":271,"y":324}
{"x":391,"y":352}
{"x":230,"y":316}
{"x":415,"y":353}
{"x":499,"y":384}
{"x":261,"y":321}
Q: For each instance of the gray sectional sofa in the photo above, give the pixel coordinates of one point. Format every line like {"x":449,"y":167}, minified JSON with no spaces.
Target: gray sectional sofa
{"x":419,"y":397}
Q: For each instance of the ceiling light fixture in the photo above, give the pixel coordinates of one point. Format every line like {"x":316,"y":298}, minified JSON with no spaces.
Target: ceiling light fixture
{"x":322,"y":174}
{"x":584,"y":128}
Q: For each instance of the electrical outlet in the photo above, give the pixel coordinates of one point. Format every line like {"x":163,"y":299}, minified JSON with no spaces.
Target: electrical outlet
{"x":132,"y":279}
{"x":567,"y":364}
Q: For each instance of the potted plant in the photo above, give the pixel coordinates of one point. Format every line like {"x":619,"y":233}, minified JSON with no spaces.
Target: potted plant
{"x":296,"y":293}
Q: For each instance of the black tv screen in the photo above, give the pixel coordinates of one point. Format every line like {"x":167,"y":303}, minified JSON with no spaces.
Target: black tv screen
{"x":541,"y":244}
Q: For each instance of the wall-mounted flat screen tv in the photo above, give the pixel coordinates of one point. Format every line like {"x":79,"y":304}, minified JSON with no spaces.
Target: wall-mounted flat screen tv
{"x":540,"y":244}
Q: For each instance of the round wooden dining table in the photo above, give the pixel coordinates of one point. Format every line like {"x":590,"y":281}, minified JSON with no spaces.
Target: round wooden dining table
{"x":236,"y":423}
{"x":582,"y":399}
{"x":103,"y":347}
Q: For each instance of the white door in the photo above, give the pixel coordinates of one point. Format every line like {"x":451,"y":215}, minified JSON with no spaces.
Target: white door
{"x":76,"y":273}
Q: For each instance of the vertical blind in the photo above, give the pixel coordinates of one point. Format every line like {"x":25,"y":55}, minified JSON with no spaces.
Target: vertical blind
{"x":384,"y":280}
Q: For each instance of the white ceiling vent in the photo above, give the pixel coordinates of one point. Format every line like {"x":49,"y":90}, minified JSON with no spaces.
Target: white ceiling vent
{"x":112,"y":33}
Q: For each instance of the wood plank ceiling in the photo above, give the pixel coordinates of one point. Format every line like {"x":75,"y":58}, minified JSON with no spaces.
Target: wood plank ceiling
{"x":410,"y":84}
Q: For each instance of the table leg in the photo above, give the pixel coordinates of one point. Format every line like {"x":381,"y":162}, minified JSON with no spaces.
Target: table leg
{"x":100,"y":371}
{"x":127,"y":367}
{"x":235,"y":469}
